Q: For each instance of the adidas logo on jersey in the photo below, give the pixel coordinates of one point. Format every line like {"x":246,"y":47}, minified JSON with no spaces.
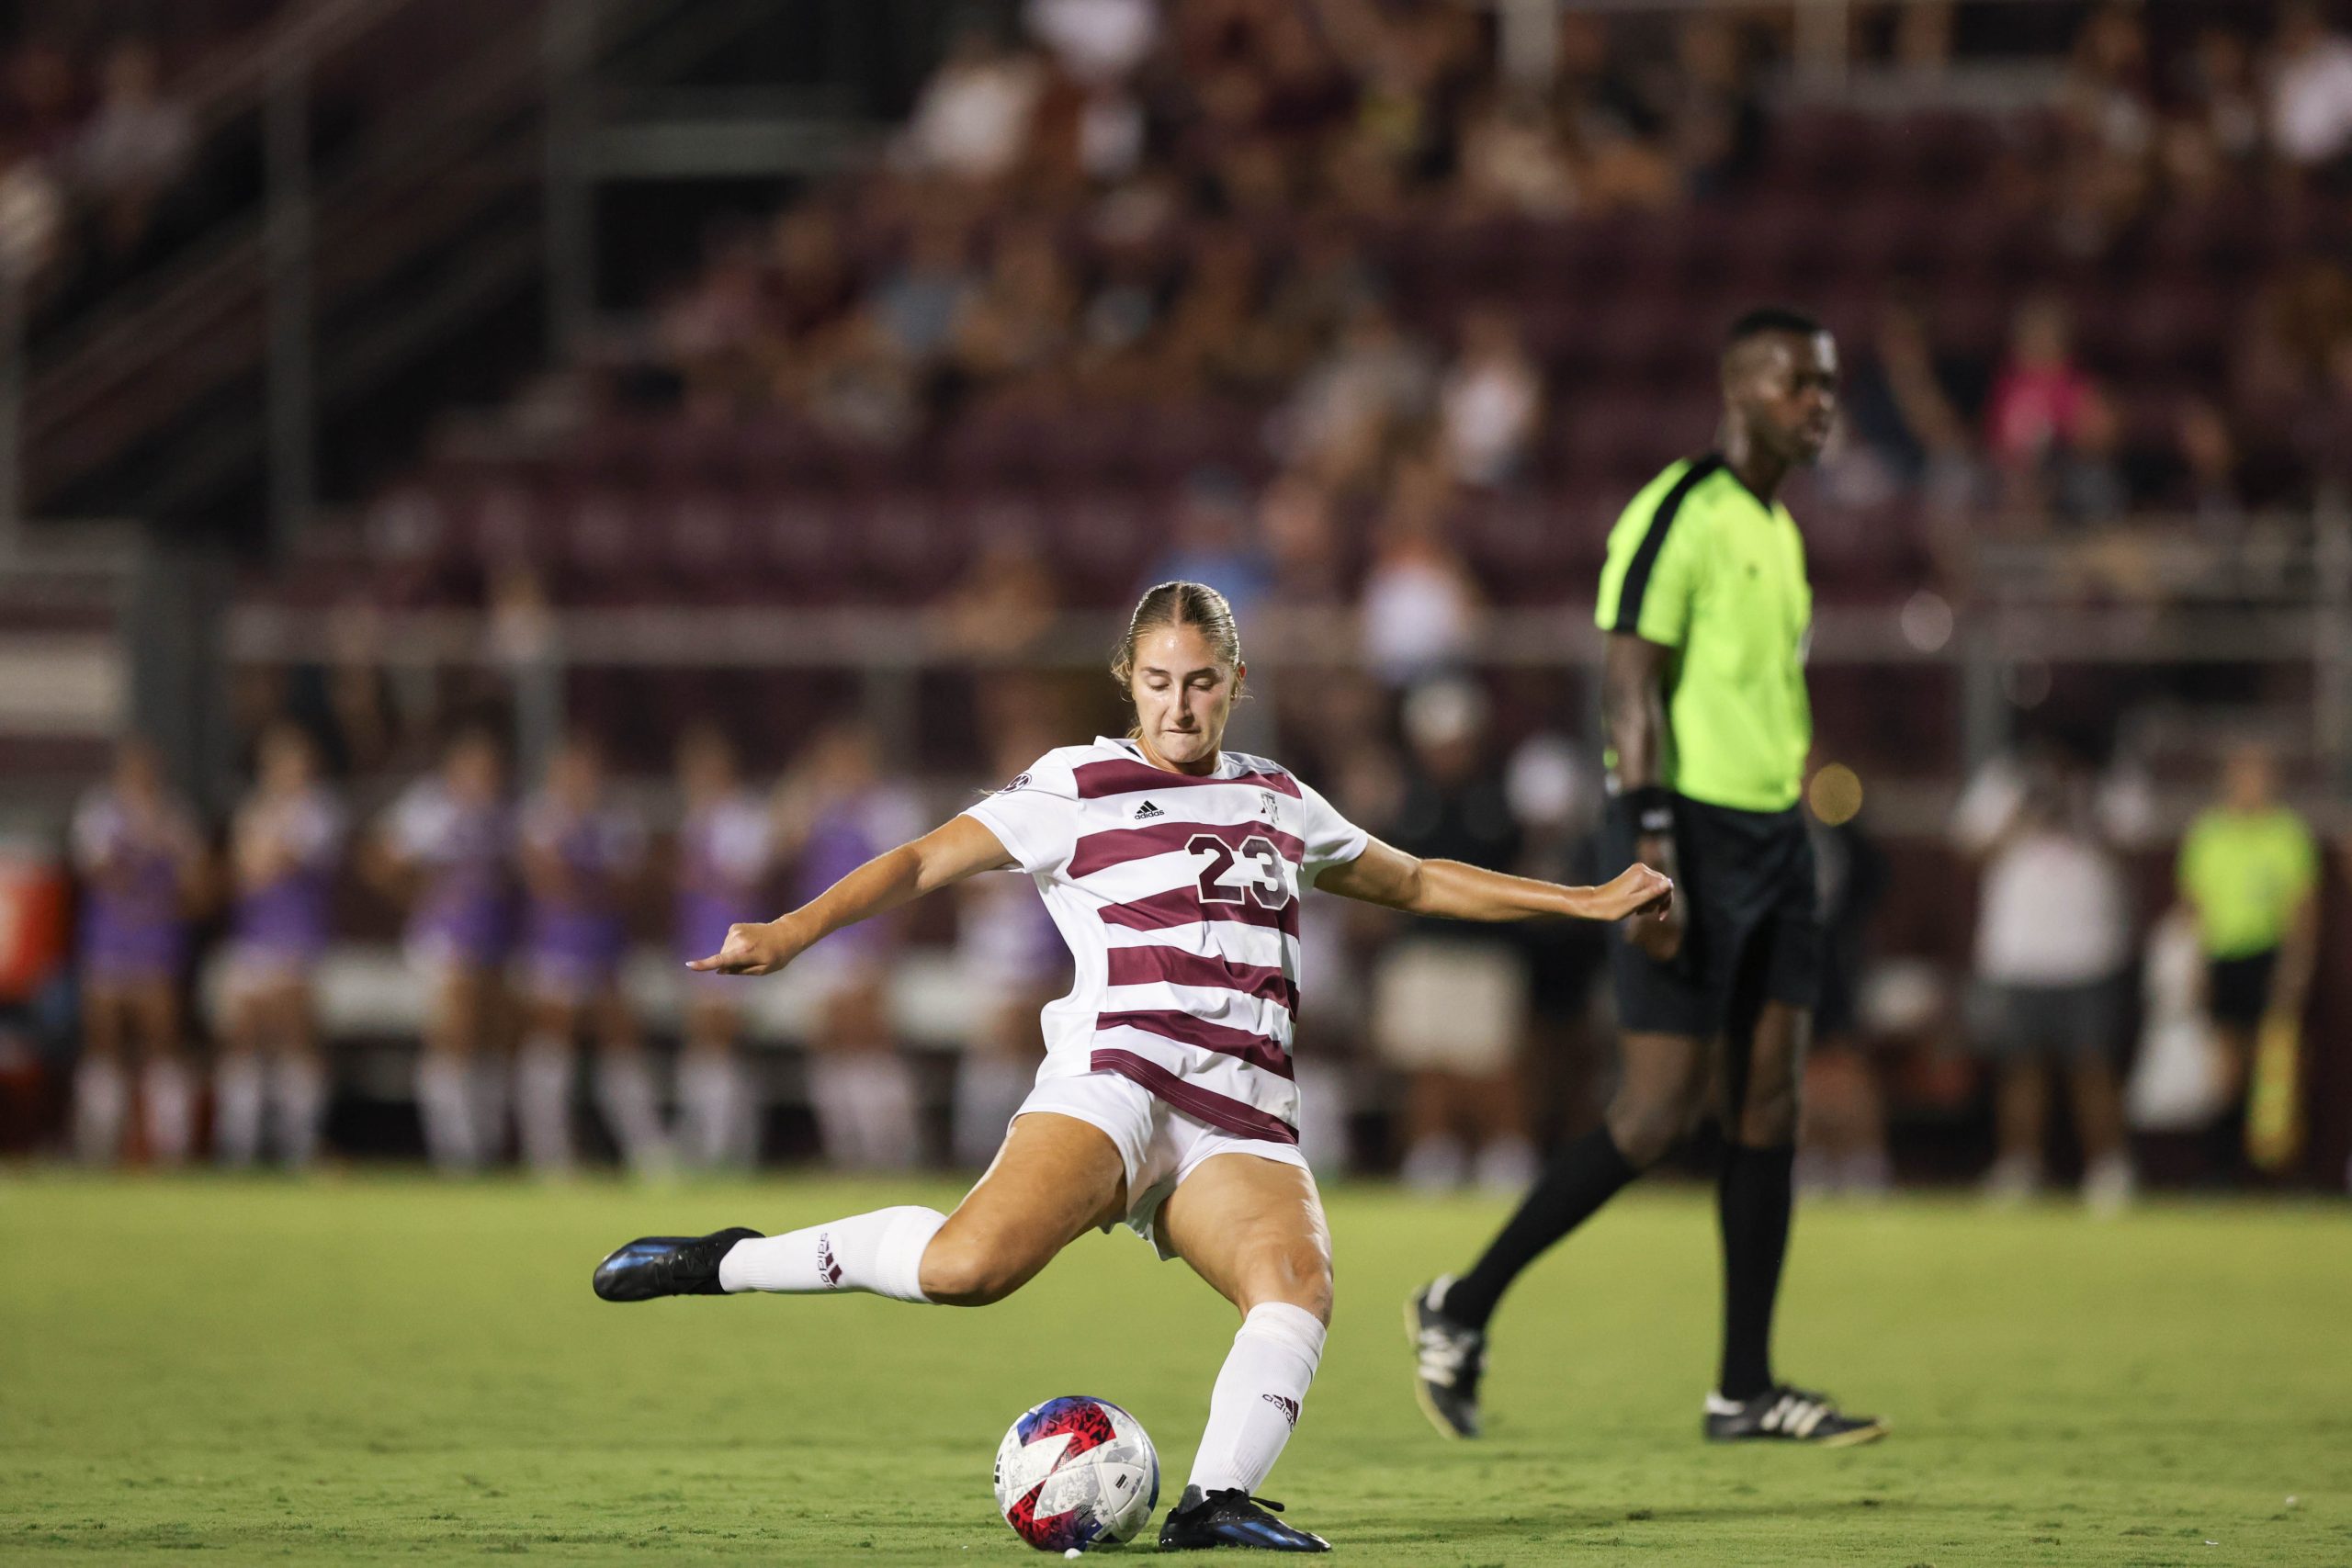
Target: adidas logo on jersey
{"x":1146,"y":811}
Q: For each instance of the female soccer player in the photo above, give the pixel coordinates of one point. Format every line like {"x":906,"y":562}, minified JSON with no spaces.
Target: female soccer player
{"x":834,"y":813}
{"x":1174,"y":871}
{"x":721,"y":861}
{"x":580,"y":851}
{"x":446,"y":846}
{"x":143,"y":866}
{"x":284,"y":846}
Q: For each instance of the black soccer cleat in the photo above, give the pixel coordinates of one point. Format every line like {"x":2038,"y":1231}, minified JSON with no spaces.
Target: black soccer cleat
{"x":667,"y":1266}
{"x":1449,"y":1358}
{"x":1232,"y":1517}
{"x":1789,"y":1415}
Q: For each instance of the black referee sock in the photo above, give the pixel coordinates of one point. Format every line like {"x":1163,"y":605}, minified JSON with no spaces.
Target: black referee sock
{"x":1582,"y":1177}
{"x":1753,"y":1201}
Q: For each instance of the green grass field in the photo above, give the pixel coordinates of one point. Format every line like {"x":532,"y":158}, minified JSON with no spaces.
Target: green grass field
{"x":383,"y":1369}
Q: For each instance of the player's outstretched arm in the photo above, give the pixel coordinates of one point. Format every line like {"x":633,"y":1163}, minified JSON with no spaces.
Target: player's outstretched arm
{"x":1452,"y":891}
{"x":959,"y":848}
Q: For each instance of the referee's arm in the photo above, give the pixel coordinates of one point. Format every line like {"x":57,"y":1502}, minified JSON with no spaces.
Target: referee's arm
{"x":1632,"y":700}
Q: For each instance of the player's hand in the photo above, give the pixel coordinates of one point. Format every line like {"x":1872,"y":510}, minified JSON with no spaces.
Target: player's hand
{"x":753,"y":947}
{"x":1637,"y":890}
{"x":1660,"y":938}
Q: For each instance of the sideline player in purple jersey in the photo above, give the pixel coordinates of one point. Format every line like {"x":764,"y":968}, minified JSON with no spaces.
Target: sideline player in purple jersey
{"x":141,"y":865}
{"x":834,"y":813}
{"x":446,"y":849}
{"x":1173,"y":869}
{"x":285,"y":844}
{"x":723,"y":853}
{"x":581,"y":853}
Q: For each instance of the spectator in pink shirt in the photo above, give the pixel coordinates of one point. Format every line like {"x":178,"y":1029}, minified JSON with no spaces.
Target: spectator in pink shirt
{"x":2040,"y":398}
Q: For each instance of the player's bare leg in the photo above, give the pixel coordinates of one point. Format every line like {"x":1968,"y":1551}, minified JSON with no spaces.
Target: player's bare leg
{"x":1254,"y":1229}
{"x":1054,"y":1178}
{"x":1753,"y":1201}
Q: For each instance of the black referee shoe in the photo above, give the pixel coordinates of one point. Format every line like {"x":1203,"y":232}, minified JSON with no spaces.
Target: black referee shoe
{"x":667,"y":1266}
{"x":1205,"y":1519}
{"x":1449,"y":1358}
{"x":1789,"y":1415}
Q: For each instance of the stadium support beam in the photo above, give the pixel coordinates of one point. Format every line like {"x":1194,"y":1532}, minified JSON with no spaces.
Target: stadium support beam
{"x":286,"y":261}
{"x":569,"y":48}
{"x":12,"y":405}
{"x":2332,"y":637}
{"x":1822,"y":43}
{"x":1527,"y":42}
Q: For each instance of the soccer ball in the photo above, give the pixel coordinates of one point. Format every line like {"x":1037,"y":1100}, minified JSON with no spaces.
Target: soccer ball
{"x":1076,"y":1473}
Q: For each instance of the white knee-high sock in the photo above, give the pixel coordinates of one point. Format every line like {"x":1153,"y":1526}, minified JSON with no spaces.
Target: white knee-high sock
{"x":880,"y":1253}
{"x":631,"y":1106}
{"x":445,"y":1105}
{"x":716,"y":1111}
{"x":101,"y":1105}
{"x":298,"y":1108}
{"x":543,"y":1102}
{"x":489,"y":1096}
{"x":1258,"y":1396}
{"x":236,"y":1109}
{"x":168,"y":1093}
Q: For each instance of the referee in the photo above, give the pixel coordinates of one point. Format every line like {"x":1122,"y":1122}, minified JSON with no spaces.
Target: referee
{"x":1707,"y":609}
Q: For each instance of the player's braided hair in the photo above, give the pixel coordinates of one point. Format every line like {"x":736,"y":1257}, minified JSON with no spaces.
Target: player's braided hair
{"x":1178,"y":604}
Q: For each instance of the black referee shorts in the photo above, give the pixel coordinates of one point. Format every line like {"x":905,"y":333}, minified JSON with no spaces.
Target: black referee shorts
{"x":1744,"y":881}
{"x":2237,"y":990}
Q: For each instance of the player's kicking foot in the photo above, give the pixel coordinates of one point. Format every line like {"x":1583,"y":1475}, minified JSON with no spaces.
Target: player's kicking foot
{"x":667,"y":1266}
{"x":1449,"y":1358}
{"x":1789,"y":1415}
{"x":1203,"y":1519}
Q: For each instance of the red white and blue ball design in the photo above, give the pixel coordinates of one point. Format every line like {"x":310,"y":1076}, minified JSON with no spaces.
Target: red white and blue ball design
{"x":1076,"y":1473}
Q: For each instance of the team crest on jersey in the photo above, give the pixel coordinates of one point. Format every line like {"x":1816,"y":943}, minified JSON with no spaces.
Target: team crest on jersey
{"x":1021,"y":781}
{"x":1269,"y":806}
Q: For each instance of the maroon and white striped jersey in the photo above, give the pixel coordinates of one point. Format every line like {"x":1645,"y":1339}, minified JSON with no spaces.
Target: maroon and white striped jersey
{"x":1179,"y":897}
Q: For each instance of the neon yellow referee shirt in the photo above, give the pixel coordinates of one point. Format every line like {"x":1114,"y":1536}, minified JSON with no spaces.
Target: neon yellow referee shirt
{"x":1699,"y":563}
{"x":2246,"y":873}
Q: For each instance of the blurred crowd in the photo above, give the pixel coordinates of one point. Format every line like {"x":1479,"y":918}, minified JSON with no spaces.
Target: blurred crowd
{"x":516,"y":917}
{"x":1133,"y":204}
{"x":94,"y":145}
{"x":1445,"y":1052}
{"x":1336,"y":305}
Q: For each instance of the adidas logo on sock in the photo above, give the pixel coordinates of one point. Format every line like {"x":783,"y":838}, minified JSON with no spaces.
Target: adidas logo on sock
{"x":1146,"y":811}
{"x":1289,"y":1407}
